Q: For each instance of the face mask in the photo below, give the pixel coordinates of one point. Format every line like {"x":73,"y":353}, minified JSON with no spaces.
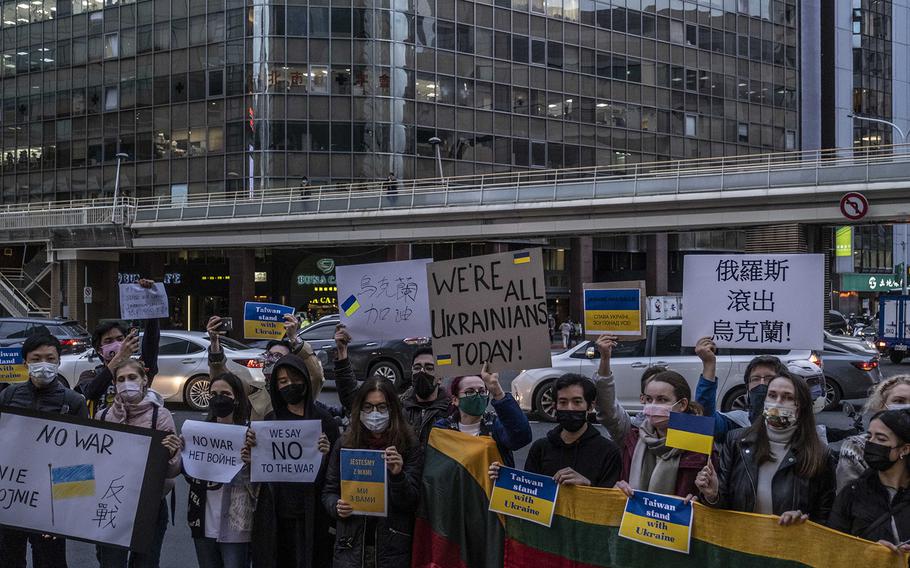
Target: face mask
{"x":43,"y":373}
{"x":897,"y":406}
{"x":878,"y":456}
{"x":572,"y":420}
{"x":222,"y":405}
{"x":756,"y":400}
{"x":375,"y":421}
{"x":424,"y":384}
{"x":108,"y":351}
{"x":815,"y":391}
{"x":293,"y":393}
{"x":658,"y":414}
{"x":129,"y":391}
{"x":780,"y":416}
{"x":473,"y":405}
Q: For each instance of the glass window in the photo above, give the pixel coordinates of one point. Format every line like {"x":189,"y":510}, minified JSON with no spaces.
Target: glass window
{"x":538,"y":51}
{"x":742,"y":132}
{"x":172,"y":346}
{"x":111,"y":45}
{"x":668,"y":341}
{"x":325,"y":331}
{"x":319,"y":22}
{"x":691,"y":122}
{"x":519,"y":48}
{"x":296,"y":21}
{"x":111,"y":98}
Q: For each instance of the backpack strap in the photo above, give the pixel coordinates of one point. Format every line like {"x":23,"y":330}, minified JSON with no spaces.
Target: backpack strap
{"x":104,"y":413}
{"x":155,"y":417}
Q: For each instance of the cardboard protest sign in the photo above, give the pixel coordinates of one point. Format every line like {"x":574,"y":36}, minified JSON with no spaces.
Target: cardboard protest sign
{"x":286,"y":450}
{"x":264,"y":321}
{"x":212,"y":451}
{"x":490,"y":308}
{"x":138,"y":303}
{"x":616,"y":308}
{"x":386,"y":300}
{"x":658,"y":520}
{"x":524,"y":495}
{"x":79,"y":478}
{"x":363,"y":481}
{"x":754,"y":301}
{"x":12,"y":369}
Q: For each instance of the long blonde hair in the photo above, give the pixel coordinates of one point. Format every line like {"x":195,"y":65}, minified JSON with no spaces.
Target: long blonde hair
{"x":880,"y":392}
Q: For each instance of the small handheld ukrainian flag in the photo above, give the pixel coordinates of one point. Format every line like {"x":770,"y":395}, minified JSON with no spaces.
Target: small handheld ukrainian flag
{"x":443,"y":360}
{"x":73,"y":481}
{"x":521,"y":257}
{"x":690,"y":432}
{"x":350,"y":306}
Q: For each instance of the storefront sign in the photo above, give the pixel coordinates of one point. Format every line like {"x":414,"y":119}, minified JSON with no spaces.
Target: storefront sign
{"x":315,"y":280}
{"x":854,"y":282}
{"x":843,"y":241}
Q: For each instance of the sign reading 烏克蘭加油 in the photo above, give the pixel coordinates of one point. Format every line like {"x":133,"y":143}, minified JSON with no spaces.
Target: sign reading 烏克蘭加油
{"x":264,"y":321}
{"x":285,"y":451}
{"x":490,"y":308}
{"x":363,"y":481}
{"x":211,"y":450}
{"x":616,"y":308}
{"x":658,"y":520}
{"x":12,"y":369}
{"x":754,"y":301}
{"x":524,"y":495}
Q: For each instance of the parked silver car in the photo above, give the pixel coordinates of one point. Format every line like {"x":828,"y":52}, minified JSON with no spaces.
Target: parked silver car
{"x":183,"y":367}
{"x":533,"y":388}
{"x":851,"y":368}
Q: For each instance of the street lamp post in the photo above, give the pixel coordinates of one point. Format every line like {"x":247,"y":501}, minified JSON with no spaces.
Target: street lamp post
{"x":120,"y":157}
{"x":881,"y":121}
{"x":436,"y":141}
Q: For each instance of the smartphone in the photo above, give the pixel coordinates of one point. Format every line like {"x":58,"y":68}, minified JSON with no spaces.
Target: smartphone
{"x":225,"y":325}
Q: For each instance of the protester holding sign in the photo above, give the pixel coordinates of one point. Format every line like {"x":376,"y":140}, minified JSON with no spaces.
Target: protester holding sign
{"x":220,"y":515}
{"x":876,"y":506}
{"x":506,"y":423}
{"x":291,"y":528}
{"x":777,"y":466}
{"x":425,"y":402}
{"x":377,"y":423}
{"x":44,"y":391}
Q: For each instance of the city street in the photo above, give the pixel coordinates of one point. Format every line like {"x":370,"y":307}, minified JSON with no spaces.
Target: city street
{"x":178,"y":551}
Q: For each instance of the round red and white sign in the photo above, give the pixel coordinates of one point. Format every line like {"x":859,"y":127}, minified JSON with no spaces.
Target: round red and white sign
{"x":854,"y":206}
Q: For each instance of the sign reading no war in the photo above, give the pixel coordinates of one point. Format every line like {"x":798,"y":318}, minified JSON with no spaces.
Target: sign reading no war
{"x":286,"y":450}
{"x":211,"y":451}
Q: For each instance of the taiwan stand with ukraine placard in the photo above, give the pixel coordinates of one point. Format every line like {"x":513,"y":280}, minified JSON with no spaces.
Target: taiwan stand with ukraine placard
{"x":658,"y":520}
{"x":524,"y":495}
{"x":264,"y":321}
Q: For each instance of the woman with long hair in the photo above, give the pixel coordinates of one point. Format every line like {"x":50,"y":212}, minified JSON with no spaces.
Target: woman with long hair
{"x":377,"y":423}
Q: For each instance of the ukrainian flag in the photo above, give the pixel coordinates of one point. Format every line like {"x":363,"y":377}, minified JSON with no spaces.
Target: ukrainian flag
{"x":73,"y":481}
{"x":690,"y":432}
{"x":443,"y":359}
{"x":521,"y":257}
{"x":350,"y":306}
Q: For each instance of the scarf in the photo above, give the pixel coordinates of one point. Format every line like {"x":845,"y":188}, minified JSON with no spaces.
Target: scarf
{"x":654,"y":465}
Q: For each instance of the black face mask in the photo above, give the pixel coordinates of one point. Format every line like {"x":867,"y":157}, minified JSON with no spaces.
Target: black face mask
{"x":424,"y":384}
{"x":877,"y":456}
{"x":222,"y":405}
{"x":572,"y":420}
{"x":293,"y":393}
{"x":756,"y":400}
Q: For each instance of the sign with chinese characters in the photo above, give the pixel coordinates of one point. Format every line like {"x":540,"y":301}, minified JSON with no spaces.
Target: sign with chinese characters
{"x":80,"y":478}
{"x":843,"y":241}
{"x":854,"y":282}
{"x":386,"y":300}
{"x":762,"y":301}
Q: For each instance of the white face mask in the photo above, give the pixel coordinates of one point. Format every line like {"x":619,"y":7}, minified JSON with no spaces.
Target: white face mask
{"x":375,"y":421}
{"x":129,"y":391}
{"x":897,"y":406}
{"x":43,"y":373}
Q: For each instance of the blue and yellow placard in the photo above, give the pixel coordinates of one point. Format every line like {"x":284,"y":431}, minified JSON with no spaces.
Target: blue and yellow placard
{"x":657,"y":520}
{"x":614,"y":310}
{"x":363,"y":481}
{"x":12,"y":369}
{"x":264,"y":321}
{"x":691,"y":432}
{"x":524,"y":495}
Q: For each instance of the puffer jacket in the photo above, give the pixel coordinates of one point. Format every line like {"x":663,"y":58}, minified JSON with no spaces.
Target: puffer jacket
{"x":422,"y":418}
{"x":393,"y":533}
{"x":738,"y":475}
{"x":865,"y":509}
{"x":54,"y":398}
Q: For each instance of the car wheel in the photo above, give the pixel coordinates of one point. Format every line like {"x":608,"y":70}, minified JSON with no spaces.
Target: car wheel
{"x":735,"y":400}
{"x":196,"y":393}
{"x":896,"y":358}
{"x":545,"y":402}
{"x":833,"y":394}
{"x":387,"y":370}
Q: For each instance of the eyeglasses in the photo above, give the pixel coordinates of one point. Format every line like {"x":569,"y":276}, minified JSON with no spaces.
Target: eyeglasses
{"x":426,"y":367}
{"x":382,"y":408}
{"x":762,"y":379}
{"x":472,"y":391}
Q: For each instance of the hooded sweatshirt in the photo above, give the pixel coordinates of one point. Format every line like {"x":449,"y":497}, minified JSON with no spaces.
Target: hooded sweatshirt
{"x":592,"y":455}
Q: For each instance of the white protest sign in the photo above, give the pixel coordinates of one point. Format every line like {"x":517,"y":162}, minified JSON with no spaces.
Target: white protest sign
{"x":754,"y":301}
{"x":212,"y":451}
{"x":386,"y":300}
{"x":286,"y":450}
{"x":79,"y":478}
{"x":138,"y":303}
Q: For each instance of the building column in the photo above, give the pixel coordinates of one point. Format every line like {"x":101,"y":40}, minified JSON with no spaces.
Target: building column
{"x":657,"y":269}
{"x":242,"y":287}
{"x":56,"y":291}
{"x":399,"y":251}
{"x":74,"y":270}
{"x":581,"y":272}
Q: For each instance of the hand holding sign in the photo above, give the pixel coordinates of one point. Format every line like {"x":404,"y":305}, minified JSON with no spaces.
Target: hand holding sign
{"x":146,"y":300}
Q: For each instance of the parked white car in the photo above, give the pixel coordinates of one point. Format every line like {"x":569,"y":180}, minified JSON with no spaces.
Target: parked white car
{"x":533,"y":388}
{"x":183,"y":366}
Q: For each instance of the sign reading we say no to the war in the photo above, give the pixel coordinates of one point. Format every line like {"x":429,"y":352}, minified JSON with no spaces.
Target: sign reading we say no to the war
{"x":754,"y":301}
{"x":286,"y":450}
{"x":490,"y":308}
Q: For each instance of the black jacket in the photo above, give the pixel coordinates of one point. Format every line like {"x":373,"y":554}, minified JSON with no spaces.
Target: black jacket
{"x":863,"y":508}
{"x":54,"y":398}
{"x":738,"y":475}
{"x":592,"y":455}
{"x":392,"y":534}
{"x":421,"y":418}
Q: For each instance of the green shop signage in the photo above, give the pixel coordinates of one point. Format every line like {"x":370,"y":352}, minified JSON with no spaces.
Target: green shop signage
{"x":852,"y":282}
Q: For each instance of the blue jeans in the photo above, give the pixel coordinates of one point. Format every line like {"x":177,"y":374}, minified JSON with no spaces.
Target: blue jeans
{"x":111,"y":557}
{"x":213,"y":554}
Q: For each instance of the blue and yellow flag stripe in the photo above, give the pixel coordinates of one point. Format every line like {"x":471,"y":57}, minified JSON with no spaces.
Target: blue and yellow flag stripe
{"x":443,"y":359}
{"x":350,"y":306}
{"x":690,"y":432}
{"x":73,"y":481}
{"x":521,"y":257}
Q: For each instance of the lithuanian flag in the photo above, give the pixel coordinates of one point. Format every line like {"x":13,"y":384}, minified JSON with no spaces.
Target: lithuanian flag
{"x":454,"y":528}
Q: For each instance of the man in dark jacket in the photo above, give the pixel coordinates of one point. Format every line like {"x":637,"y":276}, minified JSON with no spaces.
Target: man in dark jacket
{"x":575,"y":453}
{"x":44,"y":392}
{"x":426,"y":401}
